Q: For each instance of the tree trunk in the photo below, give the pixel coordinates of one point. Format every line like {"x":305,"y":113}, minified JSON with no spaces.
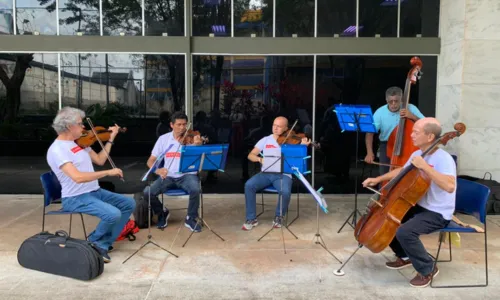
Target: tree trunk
{"x":10,"y":109}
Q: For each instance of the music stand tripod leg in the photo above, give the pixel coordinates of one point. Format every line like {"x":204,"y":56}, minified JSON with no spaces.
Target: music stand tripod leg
{"x":318,"y":238}
{"x":150,"y":236}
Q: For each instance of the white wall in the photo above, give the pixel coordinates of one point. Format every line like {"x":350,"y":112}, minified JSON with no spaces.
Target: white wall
{"x":469,"y":82}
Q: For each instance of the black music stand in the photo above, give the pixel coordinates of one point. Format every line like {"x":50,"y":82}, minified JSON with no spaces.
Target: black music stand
{"x":203,"y":158}
{"x":358,"y":118}
{"x":282,"y":162}
{"x":158,"y":161}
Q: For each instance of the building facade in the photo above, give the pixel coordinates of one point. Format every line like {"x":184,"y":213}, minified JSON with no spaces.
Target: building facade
{"x":232,"y":66}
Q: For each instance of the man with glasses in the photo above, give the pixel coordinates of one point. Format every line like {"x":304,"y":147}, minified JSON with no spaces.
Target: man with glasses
{"x":386,"y":119}
{"x":80,"y":190}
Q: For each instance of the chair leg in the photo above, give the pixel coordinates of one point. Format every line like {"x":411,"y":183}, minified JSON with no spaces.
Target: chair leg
{"x":70,"y":221}
{"x":262,"y":205}
{"x":43,"y":219}
{"x":464,"y":286}
{"x":83,"y":225}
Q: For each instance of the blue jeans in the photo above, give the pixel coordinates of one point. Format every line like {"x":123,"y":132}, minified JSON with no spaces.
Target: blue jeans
{"x":262,"y":180}
{"x":113,"y":209}
{"x":189,"y":183}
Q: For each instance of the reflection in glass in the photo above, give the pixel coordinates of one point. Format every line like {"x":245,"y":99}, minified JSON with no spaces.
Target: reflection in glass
{"x":122,"y":17}
{"x":336,"y":17}
{"x":236,"y":98}
{"x":355,"y":80}
{"x":36,"y":17}
{"x":211,"y":17}
{"x":419,"y":17}
{"x":294,"y":17}
{"x":378,"y":17}
{"x":164,"y":17}
{"x":6,"y":21}
{"x":76,"y":17}
{"x":254,"y":17}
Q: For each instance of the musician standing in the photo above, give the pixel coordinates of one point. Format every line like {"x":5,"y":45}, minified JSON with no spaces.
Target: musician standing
{"x":169,"y":176}
{"x":79,"y":182}
{"x":433,"y":211}
{"x":387,"y":118}
{"x":262,"y":180}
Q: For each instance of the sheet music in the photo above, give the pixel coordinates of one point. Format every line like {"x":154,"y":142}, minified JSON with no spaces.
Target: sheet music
{"x":272,"y":160}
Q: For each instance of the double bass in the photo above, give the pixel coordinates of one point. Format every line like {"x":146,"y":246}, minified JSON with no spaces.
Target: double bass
{"x":377,"y":228}
{"x":400,"y":146}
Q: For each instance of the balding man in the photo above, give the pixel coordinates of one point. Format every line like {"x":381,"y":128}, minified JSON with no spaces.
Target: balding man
{"x":262,"y":180}
{"x":433,"y":212}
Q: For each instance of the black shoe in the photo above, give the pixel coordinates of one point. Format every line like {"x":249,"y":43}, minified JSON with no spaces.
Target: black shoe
{"x":104,"y":254}
{"x":110,"y":249}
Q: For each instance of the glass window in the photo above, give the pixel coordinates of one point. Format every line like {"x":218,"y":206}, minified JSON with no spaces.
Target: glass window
{"x":419,"y":17}
{"x":236,"y":99}
{"x":254,"y":17}
{"x":211,"y":17}
{"x":121,"y":17}
{"x":77,"y":18}
{"x":336,"y":17}
{"x":32,"y":17}
{"x":358,"y":80}
{"x":164,"y":17}
{"x":25,"y":122}
{"x":6,"y":20}
{"x":378,"y":17}
{"x":295,"y":17}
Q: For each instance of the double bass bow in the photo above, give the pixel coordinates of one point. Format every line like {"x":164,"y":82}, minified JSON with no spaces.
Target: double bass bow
{"x":400,"y":146}
{"x":377,"y":227}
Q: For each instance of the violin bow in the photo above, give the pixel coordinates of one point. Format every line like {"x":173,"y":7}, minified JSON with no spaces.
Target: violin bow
{"x":180,"y":144}
{"x":289,"y":131}
{"x":102,"y":145}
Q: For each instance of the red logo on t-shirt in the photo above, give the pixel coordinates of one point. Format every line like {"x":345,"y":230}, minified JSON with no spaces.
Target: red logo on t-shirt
{"x":173,"y":154}
{"x":270,"y":146}
{"x":76,"y":149}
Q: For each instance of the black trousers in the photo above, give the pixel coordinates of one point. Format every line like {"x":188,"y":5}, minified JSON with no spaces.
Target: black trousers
{"x":407,"y":243}
{"x":383,"y":159}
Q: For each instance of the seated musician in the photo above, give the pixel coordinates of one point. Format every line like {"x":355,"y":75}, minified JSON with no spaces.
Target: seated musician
{"x":386,"y":119}
{"x":434,"y":211}
{"x":80,"y":189}
{"x":168,"y":176}
{"x":262,"y":180}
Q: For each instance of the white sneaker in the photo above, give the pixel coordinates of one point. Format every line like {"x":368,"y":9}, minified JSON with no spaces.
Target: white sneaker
{"x":249,"y":224}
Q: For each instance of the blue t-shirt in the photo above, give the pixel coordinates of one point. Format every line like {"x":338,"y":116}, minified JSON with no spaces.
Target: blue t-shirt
{"x":386,"y":120}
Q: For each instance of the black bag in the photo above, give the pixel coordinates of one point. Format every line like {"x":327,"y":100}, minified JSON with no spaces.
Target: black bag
{"x":493,"y":206}
{"x":61,"y":255}
{"x":141,"y":210}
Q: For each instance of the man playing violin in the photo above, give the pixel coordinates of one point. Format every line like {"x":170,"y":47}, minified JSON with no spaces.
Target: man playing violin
{"x":169,"y":176}
{"x":262,"y":180}
{"x":386,"y":118}
{"x":79,"y":182}
{"x":433,"y":212}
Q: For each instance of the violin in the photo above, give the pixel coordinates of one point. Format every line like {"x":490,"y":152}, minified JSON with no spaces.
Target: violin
{"x":377,"y":227}
{"x":399,"y":145}
{"x":290,"y":137}
{"x":93,"y":135}
{"x":189,"y":135}
{"x":88,"y":137}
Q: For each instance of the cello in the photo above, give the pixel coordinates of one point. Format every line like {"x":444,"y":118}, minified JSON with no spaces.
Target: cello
{"x":377,"y":227}
{"x":399,"y":146}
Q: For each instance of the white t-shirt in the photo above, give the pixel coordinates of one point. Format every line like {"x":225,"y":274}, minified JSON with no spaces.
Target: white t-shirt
{"x":268,"y":142}
{"x":437,"y":199}
{"x":61,"y":152}
{"x":172,"y":160}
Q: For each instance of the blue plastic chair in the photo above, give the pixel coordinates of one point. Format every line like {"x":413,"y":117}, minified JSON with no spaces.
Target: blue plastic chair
{"x":52,"y":193}
{"x":271,"y":189}
{"x":471,"y":199}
